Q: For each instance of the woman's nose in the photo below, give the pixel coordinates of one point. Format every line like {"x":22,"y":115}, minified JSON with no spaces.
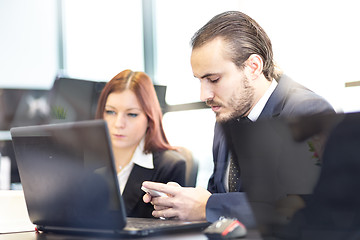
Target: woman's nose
{"x":120,"y":121}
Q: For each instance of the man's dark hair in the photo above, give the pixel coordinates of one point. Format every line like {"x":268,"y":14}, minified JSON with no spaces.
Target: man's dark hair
{"x":244,"y":37}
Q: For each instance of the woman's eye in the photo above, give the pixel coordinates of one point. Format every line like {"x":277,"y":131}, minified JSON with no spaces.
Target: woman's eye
{"x":109,"y":112}
{"x":133,"y":115}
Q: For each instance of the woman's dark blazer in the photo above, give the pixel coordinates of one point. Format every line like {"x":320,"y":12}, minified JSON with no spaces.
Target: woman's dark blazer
{"x":169,"y":166}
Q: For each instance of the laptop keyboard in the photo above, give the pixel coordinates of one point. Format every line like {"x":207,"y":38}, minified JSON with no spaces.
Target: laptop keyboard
{"x":145,"y":223}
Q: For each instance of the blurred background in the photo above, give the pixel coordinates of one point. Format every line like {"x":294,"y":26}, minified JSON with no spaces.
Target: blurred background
{"x":56,"y":55}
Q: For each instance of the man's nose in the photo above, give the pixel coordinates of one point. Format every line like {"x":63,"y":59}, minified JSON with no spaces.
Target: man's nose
{"x":206,"y":92}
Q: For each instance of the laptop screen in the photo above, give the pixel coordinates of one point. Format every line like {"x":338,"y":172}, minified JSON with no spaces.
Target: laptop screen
{"x":68,"y":175}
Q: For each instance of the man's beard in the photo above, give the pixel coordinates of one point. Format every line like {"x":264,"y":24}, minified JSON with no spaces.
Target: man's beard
{"x":241,"y":101}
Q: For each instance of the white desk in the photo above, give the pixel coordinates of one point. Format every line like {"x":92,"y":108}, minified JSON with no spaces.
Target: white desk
{"x":14,"y":216}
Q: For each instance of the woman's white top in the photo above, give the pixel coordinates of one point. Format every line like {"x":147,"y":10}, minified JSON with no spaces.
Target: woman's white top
{"x":138,"y":158}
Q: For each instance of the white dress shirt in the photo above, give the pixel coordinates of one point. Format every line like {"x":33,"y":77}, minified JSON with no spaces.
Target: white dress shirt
{"x":259,"y":106}
{"x":138,"y":158}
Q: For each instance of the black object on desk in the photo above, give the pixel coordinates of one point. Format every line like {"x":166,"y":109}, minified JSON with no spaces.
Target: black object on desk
{"x":225,"y":228}
{"x":70,"y":183}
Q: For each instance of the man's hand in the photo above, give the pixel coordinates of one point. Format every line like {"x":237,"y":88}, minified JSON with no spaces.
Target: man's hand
{"x":181,"y":202}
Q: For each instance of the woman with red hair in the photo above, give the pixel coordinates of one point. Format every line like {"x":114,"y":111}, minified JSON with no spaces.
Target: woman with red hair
{"x":129,"y":105}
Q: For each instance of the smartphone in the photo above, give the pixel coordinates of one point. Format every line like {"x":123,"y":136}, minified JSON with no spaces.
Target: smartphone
{"x":153,"y":193}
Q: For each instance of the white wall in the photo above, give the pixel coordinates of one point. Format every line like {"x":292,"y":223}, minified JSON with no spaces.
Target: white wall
{"x":102,"y":38}
{"x":316,"y":43}
{"x":28,"y":43}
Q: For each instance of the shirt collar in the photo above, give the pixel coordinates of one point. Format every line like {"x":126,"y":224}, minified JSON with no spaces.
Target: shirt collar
{"x":142,"y":159}
{"x":259,"y":106}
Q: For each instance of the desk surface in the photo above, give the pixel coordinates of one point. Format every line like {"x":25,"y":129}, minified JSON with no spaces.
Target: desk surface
{"x":14,"y":216}
{"x":252,"y":235}
{"x":15,"y":224}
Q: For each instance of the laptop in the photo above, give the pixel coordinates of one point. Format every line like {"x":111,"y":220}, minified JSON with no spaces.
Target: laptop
{"x":292,"y":173}
{"x":70,"y":183}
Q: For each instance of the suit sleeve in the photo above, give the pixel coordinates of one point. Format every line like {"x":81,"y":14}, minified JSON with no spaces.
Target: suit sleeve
{"x":233,"y":205}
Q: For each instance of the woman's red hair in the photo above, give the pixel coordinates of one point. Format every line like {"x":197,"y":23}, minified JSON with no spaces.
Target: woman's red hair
{"x":140,"y":84}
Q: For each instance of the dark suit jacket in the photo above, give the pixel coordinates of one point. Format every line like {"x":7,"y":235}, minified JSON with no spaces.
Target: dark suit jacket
{"x":333,"y":211}
{"x":288,"y":99}
{"x":169,"y":166}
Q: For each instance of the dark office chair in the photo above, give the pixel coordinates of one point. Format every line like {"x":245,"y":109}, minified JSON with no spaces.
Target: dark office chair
{"x":191,"y":167}
{"x":74,"y":99}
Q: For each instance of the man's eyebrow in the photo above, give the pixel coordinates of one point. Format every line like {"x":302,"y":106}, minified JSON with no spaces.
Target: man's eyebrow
{"x":207,"y":75}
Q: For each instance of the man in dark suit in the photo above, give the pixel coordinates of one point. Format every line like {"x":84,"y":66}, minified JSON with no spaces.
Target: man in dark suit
{"x":232,"y":57}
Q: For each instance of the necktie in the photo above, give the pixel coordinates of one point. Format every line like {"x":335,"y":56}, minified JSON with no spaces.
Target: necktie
{"x":234,"y":175}
{"x":234,"y":170}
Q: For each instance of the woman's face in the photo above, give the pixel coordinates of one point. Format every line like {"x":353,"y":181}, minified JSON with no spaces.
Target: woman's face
{"x":126,"y":119}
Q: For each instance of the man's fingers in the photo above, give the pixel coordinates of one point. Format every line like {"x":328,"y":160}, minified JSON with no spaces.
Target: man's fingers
{"x":162,"y":201}
{"x":175,"y":184}
{"x":170,"y":189}
{"x":167,"y":213}
{"x":147,"y":198}
{"x":159,"y":208}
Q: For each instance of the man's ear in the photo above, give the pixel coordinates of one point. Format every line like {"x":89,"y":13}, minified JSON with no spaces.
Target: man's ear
{"x":255,"y":65}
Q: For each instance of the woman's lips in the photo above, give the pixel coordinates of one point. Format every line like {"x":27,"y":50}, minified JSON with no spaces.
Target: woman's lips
{"x":118,"y":135}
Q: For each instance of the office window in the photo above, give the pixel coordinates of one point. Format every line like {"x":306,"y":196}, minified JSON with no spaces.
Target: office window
{"x":102,"y":38}
{"x":193,"y":129}
{"x":317,"y":48}
{"x":176,"y":22}
{"x":28,"y":43}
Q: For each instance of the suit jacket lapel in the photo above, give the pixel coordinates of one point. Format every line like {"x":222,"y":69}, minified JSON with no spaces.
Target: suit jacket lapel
{"x":276,"y":102}
{"x":132,"y":192}
{"x":272,"y":108}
